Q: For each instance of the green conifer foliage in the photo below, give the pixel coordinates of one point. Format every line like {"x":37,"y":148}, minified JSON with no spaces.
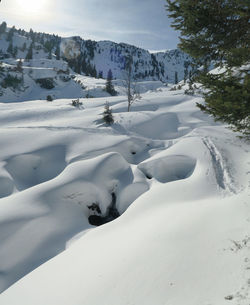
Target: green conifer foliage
{"x":219,"y":31}
{"x":109,"y":85}
{"x":107,"y":114}
{"x":30,"y":52}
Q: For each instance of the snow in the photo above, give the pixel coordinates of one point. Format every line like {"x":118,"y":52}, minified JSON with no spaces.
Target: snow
{"x":180,"y":182}
{"x":182,"y":189}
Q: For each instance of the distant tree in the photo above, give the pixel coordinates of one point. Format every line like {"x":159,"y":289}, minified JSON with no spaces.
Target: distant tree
{"x":48,"y":45}
{"x":57,"y":53}
{"x":15,"y":51}
{"x":129,"y":83}
{"x":176,"y":77}
{"x":11,"y":81}
{"x":107,"y":114}
{"x":24,"y":47}
{"x":94,"y":72}
{"x":3,"y":27}
{"x":100,"y":74}
{"x":109,"y":85}
{"x":10,"y":48}
{"x":30,"y":52}
{"x":10,"y":34}
{"x":19,"y":66}
{"x":50,"y":55}
{"x":46,"y":83}
{"x":32,"y":35}
{"x":49,"y":98}
{"x":186,"y":65}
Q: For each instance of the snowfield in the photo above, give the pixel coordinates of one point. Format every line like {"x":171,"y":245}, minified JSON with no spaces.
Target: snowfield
{"x":180,"y":182}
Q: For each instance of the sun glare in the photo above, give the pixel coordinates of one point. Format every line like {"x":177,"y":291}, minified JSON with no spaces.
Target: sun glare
{"x":31,"y":6}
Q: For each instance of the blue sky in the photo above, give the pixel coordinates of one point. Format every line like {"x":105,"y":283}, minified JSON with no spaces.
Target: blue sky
{"x":143,"y":23}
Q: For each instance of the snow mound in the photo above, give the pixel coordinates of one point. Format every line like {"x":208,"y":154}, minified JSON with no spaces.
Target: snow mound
{"x":6,"y":187}
{"x":169,"y":168}
{"x":61,"y":167}
{"x":36,"y":167}
{"x":161,"y":126}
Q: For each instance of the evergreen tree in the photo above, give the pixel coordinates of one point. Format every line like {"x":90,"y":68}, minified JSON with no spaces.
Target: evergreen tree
{"x":100,"y":74}
{"x":30,"y":52}
{"x":10,"y":34}
{"x":32,"y":35}
{"x":48,"y":46}
{"x":176,"y":77}
{"x":10,"y":48}
{"x":219,"y":31}
{"x":19,"y":66}
{"x":3,"y":27}
{"x":107,"y":114}
{"x":94,"y":72}
{"x":50,"y":55}
{"x":109,"y":85}
{"x":57,"y":53}
{"x":24,"y":47}
{"x":186,"y":64}
{"x":15,"y":51}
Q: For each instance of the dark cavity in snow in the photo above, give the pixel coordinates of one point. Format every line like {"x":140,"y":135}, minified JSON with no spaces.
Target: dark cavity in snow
{"x":112,"y":213}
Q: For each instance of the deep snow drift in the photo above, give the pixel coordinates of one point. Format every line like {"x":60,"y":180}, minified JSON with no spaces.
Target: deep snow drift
{"x":181,"y":184}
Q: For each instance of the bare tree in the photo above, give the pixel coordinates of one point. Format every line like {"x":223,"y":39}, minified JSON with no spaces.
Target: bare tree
{"x":130,"y":84}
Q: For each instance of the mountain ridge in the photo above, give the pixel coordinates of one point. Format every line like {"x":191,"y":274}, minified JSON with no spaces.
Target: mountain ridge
{"x":95,"y":58}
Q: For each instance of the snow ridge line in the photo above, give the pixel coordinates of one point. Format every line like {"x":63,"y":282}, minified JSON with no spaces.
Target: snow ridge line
{"x":222,"y":175}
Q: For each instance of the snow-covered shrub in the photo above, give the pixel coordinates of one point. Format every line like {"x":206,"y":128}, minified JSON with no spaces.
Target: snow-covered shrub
{"x":76,"y":103}
{"x":190,"y":90}
{"x":107,"y":114}
{"x":173,"y":88}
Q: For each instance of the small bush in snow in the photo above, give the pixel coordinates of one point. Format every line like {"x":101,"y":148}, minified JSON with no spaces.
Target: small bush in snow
{"x":107,"y":114}
{"x":49,"y":98}
{"x":76,"y":103}
{"x":89,"y":96}
{"x":173,"y":88}
{"x":190,"y":90}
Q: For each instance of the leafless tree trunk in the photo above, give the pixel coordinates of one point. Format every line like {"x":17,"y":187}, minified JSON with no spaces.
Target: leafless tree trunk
{"x":130,"y":85}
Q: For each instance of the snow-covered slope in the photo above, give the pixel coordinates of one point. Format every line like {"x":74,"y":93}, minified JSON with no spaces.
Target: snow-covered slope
{"x":37,"y":65}
{"x":179,"y":181}
{"x":37,"y":79}
{"x":98,"y":57}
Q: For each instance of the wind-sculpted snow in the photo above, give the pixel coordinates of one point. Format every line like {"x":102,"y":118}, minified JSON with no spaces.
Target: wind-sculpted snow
{"x":36,"y":167}
{"x":169,"y":169}
{"x":179,"y":182}
{"x":6,"y":186}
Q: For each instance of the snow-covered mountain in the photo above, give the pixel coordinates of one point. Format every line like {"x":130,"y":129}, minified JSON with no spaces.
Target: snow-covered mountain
{"x":93,"y":58}
{"x":98,"y":57}
{"x":37,"y":65}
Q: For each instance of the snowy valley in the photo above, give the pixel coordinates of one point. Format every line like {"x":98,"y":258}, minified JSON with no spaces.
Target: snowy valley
{"x":178,"y":181}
